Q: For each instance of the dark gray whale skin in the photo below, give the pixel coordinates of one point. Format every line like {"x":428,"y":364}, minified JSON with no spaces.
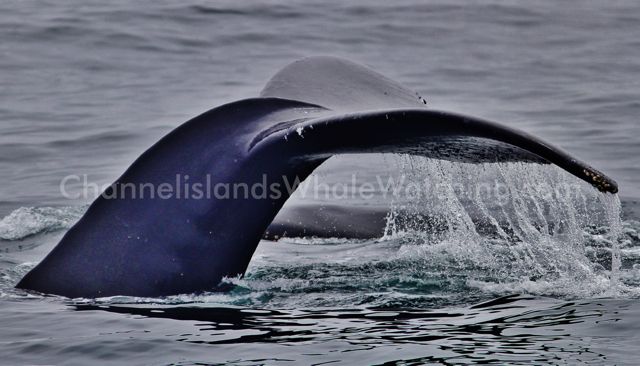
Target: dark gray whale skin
{"x":312,"y":109}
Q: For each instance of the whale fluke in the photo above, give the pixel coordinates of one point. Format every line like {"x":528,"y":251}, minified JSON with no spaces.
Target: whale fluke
{"x":312,"y":109}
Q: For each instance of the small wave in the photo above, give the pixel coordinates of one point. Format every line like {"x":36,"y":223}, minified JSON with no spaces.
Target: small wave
{"x":207,"y":9}
{"x":94,"y":139}
{"x":27,"y":221}
{"x":319,"y":241}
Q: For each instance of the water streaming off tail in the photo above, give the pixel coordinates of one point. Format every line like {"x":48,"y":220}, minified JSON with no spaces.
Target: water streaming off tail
{"x":508,"y":226}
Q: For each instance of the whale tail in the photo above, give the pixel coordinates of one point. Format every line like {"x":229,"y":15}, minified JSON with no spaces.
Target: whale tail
{"x":312,"y":109}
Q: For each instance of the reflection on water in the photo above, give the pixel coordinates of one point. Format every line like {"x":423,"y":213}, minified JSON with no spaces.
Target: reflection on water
{"x":511,"y":329}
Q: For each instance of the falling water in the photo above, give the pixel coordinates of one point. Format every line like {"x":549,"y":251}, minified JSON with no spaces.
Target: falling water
{"x":523,"y":223}
{"x":611,"y":204}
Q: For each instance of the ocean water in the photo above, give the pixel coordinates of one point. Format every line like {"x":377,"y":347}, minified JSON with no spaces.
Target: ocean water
{"x":85,"y":87}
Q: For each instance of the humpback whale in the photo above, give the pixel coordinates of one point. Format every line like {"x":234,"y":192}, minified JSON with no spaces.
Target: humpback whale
{"x":309,"y":111}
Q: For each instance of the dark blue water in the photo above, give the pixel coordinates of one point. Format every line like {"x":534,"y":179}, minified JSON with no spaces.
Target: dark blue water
{"x":85,"y":87}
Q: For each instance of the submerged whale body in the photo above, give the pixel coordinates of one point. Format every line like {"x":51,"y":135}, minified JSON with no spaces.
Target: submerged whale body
{"x":312,"y":109}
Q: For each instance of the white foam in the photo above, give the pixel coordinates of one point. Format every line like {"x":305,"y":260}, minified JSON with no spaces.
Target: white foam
{"x":26,"y":221}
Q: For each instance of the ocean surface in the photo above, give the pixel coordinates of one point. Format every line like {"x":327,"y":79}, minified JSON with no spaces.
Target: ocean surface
{"x":87,"y":86}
